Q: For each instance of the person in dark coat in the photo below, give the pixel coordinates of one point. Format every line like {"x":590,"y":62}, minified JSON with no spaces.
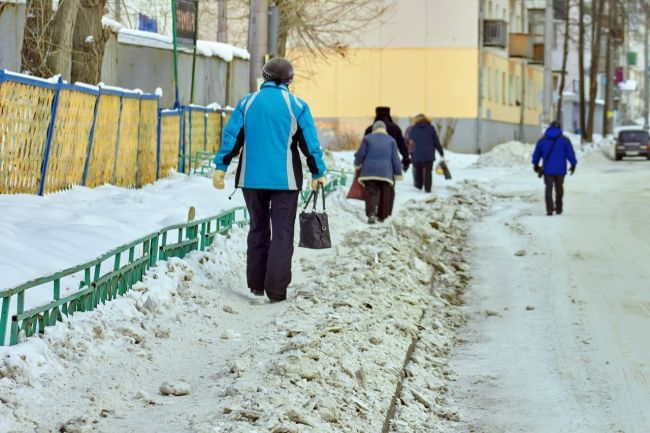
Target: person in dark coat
{"x":425,"y":144}
{"x":554,"y":149}
{"x":379,"y":165}
{"x":393,"y":129}
{"x":383,"y":114}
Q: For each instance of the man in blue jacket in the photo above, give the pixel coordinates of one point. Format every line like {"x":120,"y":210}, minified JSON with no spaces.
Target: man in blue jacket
{"x":266,"y":130}
{"x":554,"y":149}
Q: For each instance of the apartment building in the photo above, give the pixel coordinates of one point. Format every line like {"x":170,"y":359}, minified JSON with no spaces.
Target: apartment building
{"x":426,"y":58}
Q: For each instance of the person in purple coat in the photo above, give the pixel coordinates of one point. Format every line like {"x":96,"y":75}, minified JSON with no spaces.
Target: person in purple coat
{"x":554,"y":150}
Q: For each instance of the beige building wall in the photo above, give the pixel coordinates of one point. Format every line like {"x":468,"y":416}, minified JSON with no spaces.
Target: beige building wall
{"x":425,"y":59}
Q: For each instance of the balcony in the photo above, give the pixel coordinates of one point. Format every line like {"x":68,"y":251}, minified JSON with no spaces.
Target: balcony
{"x":526,"y":46}
{"x":537,"y":50}
{"x":520,"y":46}
{"x":495,"y":33}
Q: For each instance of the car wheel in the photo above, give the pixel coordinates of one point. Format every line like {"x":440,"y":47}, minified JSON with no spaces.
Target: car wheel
{"x":619,"y":157}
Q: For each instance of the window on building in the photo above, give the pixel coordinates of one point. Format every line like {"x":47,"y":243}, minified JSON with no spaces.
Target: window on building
{"x":489,"y":10}
{"x":503,"y":88}
{"x":489,"y":84}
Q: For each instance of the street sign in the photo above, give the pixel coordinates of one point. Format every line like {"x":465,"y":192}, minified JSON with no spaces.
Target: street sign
{"x":185,"y":16}
{"x":185,"y":29}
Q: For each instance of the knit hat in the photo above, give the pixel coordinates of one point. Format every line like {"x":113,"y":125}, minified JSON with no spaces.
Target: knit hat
{"x":378,"y":125}
{"x":279,"y":70}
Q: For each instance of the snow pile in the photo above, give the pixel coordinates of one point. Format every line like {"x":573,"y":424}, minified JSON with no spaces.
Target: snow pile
{"x":106,"y":350}
{"x":330,"y":357}
{"x":43,"y":235}
{"x":336,"y":355}
{"x":510,"y":154}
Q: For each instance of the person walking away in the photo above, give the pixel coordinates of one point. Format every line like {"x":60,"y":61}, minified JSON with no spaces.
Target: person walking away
{"x":425,"y":142}
{"x":266,"y":130}
{"x":378,"y":160}
{"x":554,"y":150}
{"x":383,"y":114}
{"x":410,"y":144}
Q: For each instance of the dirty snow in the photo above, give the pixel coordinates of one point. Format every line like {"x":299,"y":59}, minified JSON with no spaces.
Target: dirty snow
{"x":445,"y":300}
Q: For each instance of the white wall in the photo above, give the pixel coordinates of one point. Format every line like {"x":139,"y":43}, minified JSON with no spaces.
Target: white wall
{"x":424,"y":24}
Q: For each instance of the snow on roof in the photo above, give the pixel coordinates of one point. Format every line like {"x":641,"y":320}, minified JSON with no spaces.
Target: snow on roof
{"x":109,"y":23}
{"x":225,"y":52}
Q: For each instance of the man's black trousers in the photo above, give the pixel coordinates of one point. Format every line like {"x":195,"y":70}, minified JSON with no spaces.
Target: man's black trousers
{"x":270,"y":240}
{"x":558,"y":183}
{"x":423,"y":175}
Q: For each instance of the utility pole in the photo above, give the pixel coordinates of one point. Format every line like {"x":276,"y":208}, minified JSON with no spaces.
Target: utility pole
{"x":479,"y":115}
{"x":524,"y":69}
{"x":548,"y":64}
{"x":646,"y":91}
{"x":222,"y":21}
{"x":257,"y":39}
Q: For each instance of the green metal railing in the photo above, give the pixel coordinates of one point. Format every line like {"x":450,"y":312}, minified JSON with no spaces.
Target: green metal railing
{"x":112,"y":274}
{"x":115,"y":272}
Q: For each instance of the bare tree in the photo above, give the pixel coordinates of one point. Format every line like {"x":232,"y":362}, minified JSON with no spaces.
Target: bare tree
{"x":222,"y":21}
{"x":321,"y":25}
{"x":608,"y":65}
{"x":313,"y":28}
{"x":446,"y":129}
{"x":565,"y":59}
{"x":89,"y":42}
{"x":47,"y":42}
{"x":581,"y":66}
{"x":596,"y":32}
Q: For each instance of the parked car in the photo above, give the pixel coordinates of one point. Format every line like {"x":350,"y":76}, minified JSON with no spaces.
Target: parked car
{"x":632,"y":142}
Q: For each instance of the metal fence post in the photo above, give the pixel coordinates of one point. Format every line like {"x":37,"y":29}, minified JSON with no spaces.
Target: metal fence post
{"x":205,"y":131}
{"x":91,"y":139}
{"x":50,"y":135}
{"x":138,"y":173}
{"x":117,"y":140}
{"x":189,"y":165}
{"x":158,"y":141}
{"x":181,"y":141}
{"x":222,"y":115}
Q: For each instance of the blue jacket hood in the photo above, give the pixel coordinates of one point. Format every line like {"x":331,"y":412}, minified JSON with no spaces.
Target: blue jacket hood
{"x":553,"y":133}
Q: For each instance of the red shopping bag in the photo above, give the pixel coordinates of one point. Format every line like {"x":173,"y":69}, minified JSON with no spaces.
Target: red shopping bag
{"x":357,"y":191}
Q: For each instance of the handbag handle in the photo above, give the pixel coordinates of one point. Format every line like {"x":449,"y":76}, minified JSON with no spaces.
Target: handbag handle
{"x":314,"y":196}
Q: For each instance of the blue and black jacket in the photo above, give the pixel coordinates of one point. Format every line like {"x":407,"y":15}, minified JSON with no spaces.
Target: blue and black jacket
{"x":266,"y":130}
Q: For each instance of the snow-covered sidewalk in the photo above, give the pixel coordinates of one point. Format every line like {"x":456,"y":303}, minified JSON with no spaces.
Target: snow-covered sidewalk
{"x":331,"y":356}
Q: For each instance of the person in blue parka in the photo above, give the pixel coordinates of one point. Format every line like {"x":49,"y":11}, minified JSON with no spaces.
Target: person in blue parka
{"x":554,"y":150}
{"x":266,"y":130}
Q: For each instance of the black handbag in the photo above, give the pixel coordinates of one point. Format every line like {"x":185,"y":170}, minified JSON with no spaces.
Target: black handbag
{"x":314,"y":226}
